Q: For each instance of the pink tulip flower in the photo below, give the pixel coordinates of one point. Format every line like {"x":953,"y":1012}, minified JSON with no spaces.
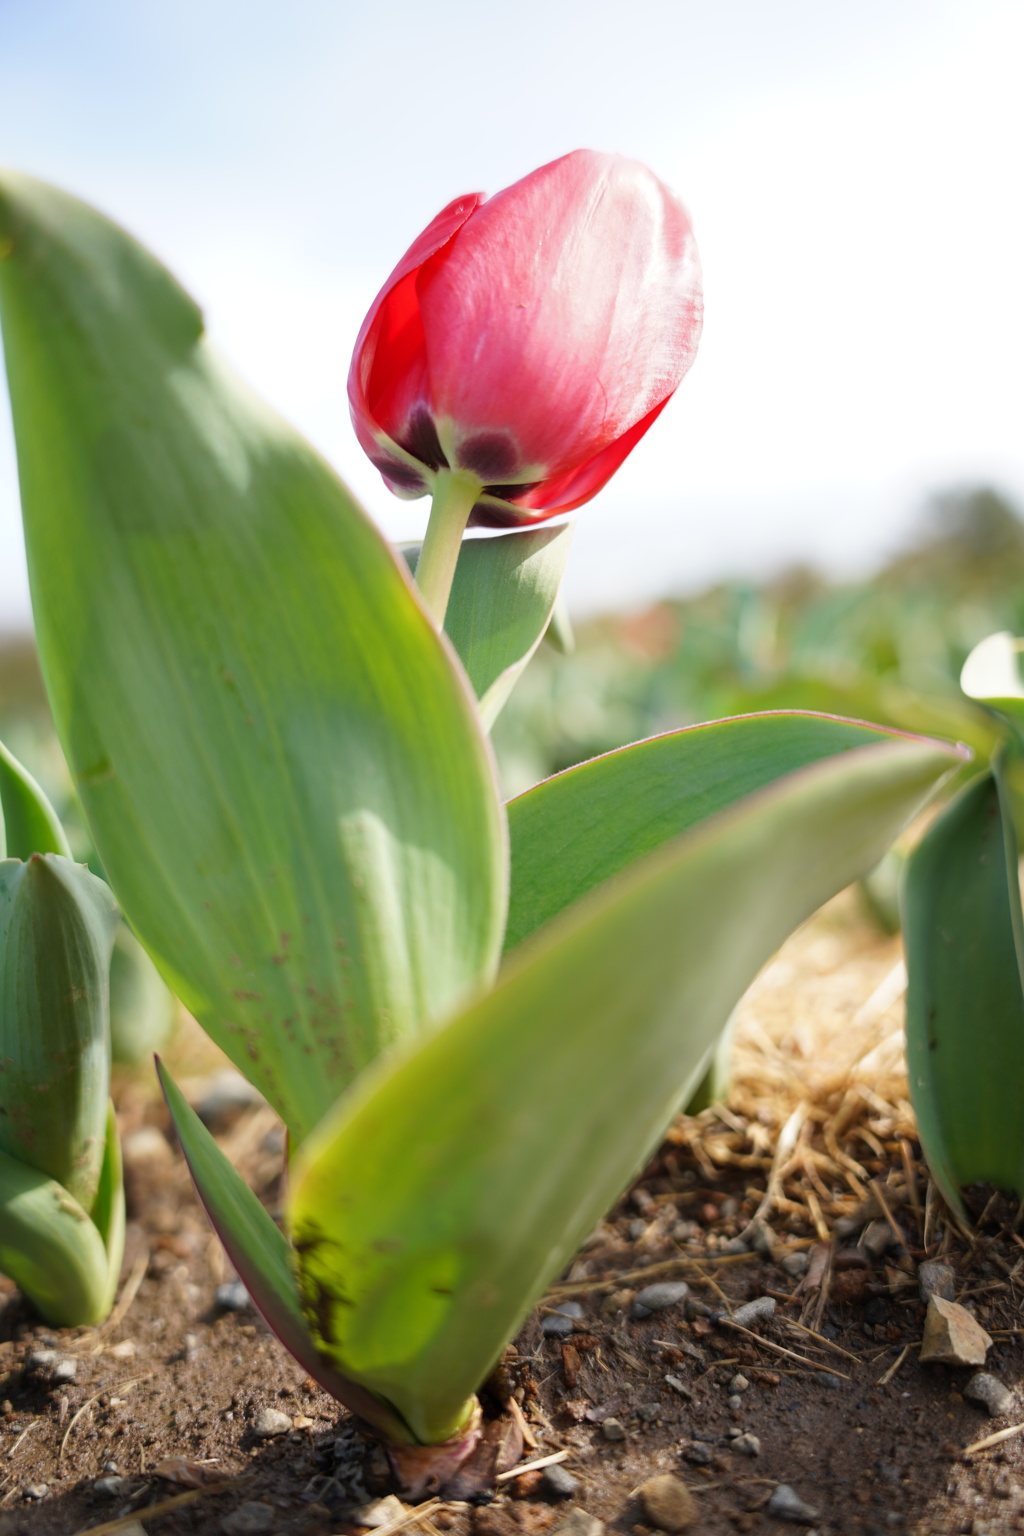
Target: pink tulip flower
{"x":530,"y":339}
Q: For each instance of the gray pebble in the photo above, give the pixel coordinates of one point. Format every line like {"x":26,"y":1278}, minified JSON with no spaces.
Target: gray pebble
{"x":613,"y":1430}
{"x":935,"y":1279}
{"x":232,"y":1296}
{"x":734,"y":1431}
{"x":557,"y":1483}
{"x":877,"y":1238}
{"x":654,"y":1298}
{"x":734,"y":1402}
{"x":828,"y":1379}
{"x":636,"y":1229}
{"x":739,"y":1383}
{"x":48,"y":1365}
{"x":685,"y":1231}
{"x":36,"y":1491}
{"x":649,"y":1412}
{"x":747,"y":1445}
{"x":760,"y":1311}
{"x":988,"y":1390}
{"x":795,"y":1263}
{"x":697,"y":1453}
{"x":271,"y":1422}
{"x":110,"y":1487}
{"x":736,"y":1245}
{"x":559,"y":1323}
{"x":227,"y":1095}
{"x":252,"y":1519}
{"x":786,"y":1504}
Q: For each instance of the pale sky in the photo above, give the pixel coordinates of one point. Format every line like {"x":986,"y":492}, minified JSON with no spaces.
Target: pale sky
{"x":854,"y":173}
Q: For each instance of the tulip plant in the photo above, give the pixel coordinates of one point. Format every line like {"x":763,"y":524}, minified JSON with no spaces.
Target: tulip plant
{"x":474,"y":1019}
{"x":964,"y":938}
{"x":61,"y":1198}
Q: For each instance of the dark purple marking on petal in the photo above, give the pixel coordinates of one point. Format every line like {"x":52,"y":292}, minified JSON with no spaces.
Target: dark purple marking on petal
{"x":400,"y":474}
{"x":491,"y":455}
{"x":421,"y":440}
{"x":510,"y":492}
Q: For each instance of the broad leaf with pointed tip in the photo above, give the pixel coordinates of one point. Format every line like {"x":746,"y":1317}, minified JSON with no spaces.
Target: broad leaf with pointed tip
{"x":962,"y":928}
{"x":262,"y":1258}
{"x":415,"y":1269}
{"x":502,"y":602}
{"x":282,"y":771}
{"x":571,"y":832}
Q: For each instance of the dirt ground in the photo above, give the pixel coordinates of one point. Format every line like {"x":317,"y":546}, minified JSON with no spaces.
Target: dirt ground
{"x":160,"y":1406}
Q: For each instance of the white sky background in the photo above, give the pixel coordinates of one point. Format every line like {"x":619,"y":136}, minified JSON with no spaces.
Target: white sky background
{"x":854,"y":172}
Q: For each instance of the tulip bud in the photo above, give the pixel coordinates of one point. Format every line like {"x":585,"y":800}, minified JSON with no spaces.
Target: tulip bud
{"x":528,"y":341}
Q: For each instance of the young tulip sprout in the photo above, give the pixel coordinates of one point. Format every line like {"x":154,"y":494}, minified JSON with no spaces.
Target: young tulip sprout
{"x":285,"y":771}
{"x":61,"y":1202}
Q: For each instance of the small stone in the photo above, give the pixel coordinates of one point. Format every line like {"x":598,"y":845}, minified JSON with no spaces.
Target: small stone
{"x":795,"y":1263}
{"x":655,"y":1298}
{"x":935,"y":1279}
{"x":786,"y":1504}
{"x":109,"y":1468}
{"x":251,"y":1519}
{"x":668,"y":1503}
{"x":613,"y":1430}
{"x":557,"y":1483}
{"x":697,"y":1453}
{"x":877,"y":1238}
{"x":271,"y":1422}
{"x":618,"y":1301}
{"x":227,"y":1095}
{"x":830,"y":1380}
{"x":232,"y":1296}
{"x":577,"y":1522}
{"x":760,"y":1311}
{"x":759,"y":1236}
{"x":736,"y":1245}
{"x":952,"y":1336}
{"x":146,"y":1145}
{"x":989,"y":1391}
{"x":380,"y":1512}
{"x":36,"y":1491}
{"x":739,"y":1383}
{"x":649,"y":1412}
{"x":125,"y":1350}
{"x":559,"y":1322}
{"x":747,"y":1444}
{"x":734,"y":1402}
{"x":110,"y":1487}
{"x":1002,"y":1486}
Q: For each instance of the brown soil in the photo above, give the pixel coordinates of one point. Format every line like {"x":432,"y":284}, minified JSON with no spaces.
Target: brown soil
{"x":169,"y":1391}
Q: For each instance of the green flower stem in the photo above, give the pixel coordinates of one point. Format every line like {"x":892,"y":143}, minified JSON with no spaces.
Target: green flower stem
{"x":455,"y":495}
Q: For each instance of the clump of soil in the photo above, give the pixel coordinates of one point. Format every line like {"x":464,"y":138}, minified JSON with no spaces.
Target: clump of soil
{"x":807,"y":1189}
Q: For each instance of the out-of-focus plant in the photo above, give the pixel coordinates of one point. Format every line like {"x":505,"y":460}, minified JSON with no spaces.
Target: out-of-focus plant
{"x":964,"y":938}
{"x":61,"y":1199}
{"x":283,"y":764}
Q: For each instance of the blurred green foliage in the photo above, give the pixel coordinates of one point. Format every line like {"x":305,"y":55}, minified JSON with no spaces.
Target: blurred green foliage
{"x":888,"y":649}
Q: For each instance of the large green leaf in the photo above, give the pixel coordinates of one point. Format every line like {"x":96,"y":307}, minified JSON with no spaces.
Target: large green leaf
{"x":261,"y":1256}
{"x":502,"y":601}
{"x":532,"y":1108}
{"x":965,"y":1000}
{"x":57,"y":924}
{"x":28,"y":822}
{"x":50,"y":1248}
{"x":282,"y":771}
{"x":573,"y":831}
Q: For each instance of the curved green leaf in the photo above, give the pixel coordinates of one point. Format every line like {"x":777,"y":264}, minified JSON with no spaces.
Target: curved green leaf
{"x":282,"y":772}
{"x":962,"y":929}
{"x":502,"y":601}
{"x":50,"y":1248}
{"x":57,"y":924}
{"x":108,"y":1209}
{"x":262,"y":1257}
{"x":28,"y":822}
{"x":573,"y":831}
{"x":534,"y":1106}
